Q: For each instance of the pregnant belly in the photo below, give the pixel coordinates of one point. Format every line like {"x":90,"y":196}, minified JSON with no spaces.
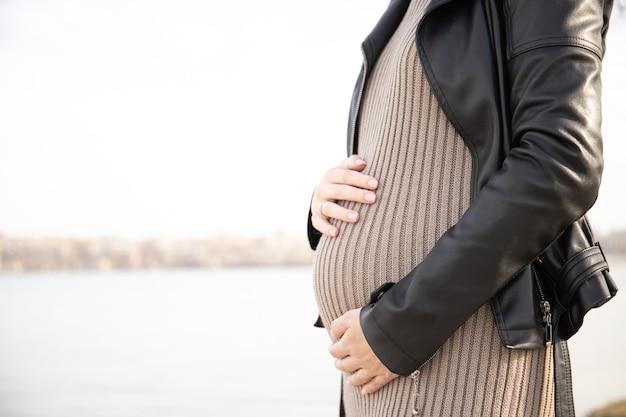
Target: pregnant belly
{"x":349,"y":267}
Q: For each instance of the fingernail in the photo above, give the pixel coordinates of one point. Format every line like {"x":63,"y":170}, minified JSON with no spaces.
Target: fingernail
{"x":371,"y":197}
{"x":372,"y":183}
{"x":360,"y":162}
{"x":333,"y":232}
{"x":352,"y":216}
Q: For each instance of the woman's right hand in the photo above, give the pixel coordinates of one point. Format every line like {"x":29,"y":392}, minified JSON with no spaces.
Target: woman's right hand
{"x":342,"y":183}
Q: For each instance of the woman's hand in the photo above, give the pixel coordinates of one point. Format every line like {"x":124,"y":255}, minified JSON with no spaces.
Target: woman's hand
{"x":345,"y":183}
{"x":354,"y":355}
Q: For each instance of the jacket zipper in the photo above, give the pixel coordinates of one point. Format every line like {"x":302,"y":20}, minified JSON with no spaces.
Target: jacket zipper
{"x":416,"y":393}
{"x":546,"y":309}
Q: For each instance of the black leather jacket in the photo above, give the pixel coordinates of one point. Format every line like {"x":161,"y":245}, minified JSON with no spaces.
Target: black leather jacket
{"x":520,"y":82}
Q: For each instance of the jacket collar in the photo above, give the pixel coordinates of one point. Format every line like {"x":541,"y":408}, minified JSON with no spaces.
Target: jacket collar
{"x":375,"y":42}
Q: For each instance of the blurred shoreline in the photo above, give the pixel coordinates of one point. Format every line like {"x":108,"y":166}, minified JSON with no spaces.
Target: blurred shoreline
{"x":23,"y":254}
{"x":47,"y":253}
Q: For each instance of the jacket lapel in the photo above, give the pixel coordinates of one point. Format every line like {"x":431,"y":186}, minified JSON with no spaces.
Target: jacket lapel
{"x":375,"y":42}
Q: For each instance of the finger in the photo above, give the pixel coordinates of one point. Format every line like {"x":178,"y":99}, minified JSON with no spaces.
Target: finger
{"x":320,"y":220}
{"x":338,"y":175}
{"x":360,"y":377}
{"x":346,"y":364}
{"x":327,"y":210}
{"x":328,"y":191}
{"x":322,"y":225}
{"x":338,"y":328}
{"x":345,"y":183}
{"x":354,"y":162}
{"x":339,"y":350}
{"x":377,"y":383}
{"x":335,"y":211}
{"x":321,"y":210}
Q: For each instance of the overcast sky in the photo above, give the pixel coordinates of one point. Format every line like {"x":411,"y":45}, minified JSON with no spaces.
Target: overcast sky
{"x":188,"y":117}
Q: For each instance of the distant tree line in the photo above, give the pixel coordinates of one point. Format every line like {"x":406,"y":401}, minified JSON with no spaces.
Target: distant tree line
{"x":53,"y":253}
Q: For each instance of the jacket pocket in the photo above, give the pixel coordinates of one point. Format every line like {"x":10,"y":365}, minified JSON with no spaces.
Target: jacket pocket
{"x":555,"y":292}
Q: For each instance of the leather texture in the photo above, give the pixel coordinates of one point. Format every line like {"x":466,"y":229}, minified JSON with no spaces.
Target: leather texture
{"x":575,"y":276}
{"x":521,"y":84}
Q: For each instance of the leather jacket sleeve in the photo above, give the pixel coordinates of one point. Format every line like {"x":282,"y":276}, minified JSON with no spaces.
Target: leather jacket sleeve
{"x":548,"y":179}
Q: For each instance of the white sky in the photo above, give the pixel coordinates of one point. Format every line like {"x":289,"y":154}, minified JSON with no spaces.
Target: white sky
{"x":194,"y":117}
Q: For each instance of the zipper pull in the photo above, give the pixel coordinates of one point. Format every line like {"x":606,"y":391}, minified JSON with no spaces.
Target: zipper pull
{"x":547,"y":321}
{"x":416,"y":395}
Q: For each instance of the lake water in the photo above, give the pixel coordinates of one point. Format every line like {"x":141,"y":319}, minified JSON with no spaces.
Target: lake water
{"x":190,"y":343}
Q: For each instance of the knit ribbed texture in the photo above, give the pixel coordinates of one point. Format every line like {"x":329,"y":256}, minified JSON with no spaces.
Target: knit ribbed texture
{"x":424,"y":170}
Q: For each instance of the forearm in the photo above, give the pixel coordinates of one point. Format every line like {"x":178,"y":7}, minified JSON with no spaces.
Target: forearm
{"x":550,"y":179}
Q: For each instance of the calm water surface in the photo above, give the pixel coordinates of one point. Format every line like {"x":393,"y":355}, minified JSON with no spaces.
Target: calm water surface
{"x":187,"y":343}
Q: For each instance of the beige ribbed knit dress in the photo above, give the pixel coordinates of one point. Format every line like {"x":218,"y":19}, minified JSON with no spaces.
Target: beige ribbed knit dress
{"x":424,"y":170}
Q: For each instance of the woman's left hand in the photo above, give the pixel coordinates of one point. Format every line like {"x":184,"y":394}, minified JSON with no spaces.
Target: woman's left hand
{"x":354,"y":354}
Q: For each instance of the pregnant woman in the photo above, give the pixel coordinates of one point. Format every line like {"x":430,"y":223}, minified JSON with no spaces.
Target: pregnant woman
{"x":474,"y":141}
